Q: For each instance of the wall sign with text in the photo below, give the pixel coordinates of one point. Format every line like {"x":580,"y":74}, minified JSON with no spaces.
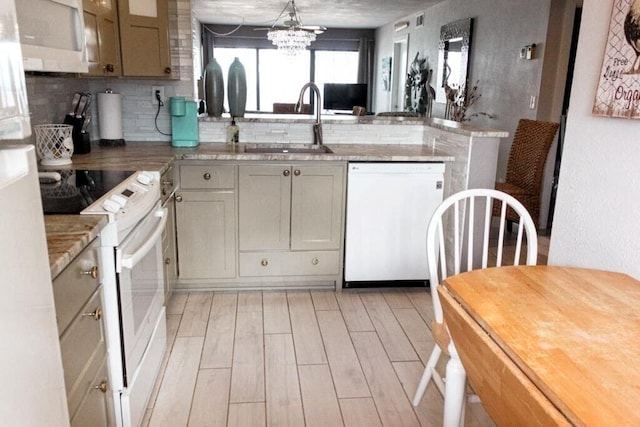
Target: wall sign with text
{"x":618,"y":93}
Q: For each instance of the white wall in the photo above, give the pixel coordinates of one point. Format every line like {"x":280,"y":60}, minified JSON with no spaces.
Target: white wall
{"x":506,"y":81}
{"x":597,"y":218}
{"x":500,"y":29}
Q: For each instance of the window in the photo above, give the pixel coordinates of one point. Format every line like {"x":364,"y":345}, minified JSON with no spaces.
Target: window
{"x":336,"y":67}
{"x":281,"y":78}
{"x":273,"y":77}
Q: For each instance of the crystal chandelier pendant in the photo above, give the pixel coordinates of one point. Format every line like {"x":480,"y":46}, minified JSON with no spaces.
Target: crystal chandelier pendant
{"x":294,"y":37}
{"x":291,"y":41}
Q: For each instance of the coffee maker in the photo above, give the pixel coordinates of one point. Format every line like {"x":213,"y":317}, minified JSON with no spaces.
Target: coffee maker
{"x":184,"y":122}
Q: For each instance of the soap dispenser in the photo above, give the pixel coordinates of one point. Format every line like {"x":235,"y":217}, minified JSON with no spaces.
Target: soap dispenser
{"x":233,"y":132}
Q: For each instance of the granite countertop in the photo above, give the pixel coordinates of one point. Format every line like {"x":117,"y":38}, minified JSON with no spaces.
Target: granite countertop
{"x":68,"y":235}
{"x":341,"y":152}
{"x":156,"y":156}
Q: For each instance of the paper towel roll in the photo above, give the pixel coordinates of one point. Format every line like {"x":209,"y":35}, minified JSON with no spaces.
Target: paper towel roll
{"x":110,"y":116}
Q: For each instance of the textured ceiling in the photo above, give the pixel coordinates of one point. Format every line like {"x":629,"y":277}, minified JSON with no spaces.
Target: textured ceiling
{"x":328,"y":13}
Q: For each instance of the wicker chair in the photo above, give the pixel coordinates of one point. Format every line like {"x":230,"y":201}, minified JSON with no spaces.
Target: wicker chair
{"x":525,"y":166}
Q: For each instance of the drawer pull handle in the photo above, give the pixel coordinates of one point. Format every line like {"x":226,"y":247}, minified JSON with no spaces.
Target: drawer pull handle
{"x":264,"y":262}
{"x":93,"y":272}
{"x":178,"y":199}
{"x":103,"y":386}
{"x":286,"y":172}
{"x":167,"y":261}
{"x":207,"y":176}
{"x":96,"y":314}
{"x":315,"y":261}
{"x":296,"y":172}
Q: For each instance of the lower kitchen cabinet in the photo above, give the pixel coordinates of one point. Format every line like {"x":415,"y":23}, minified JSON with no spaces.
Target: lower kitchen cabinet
{"x":292,"y":207}
{"x":290,"y":219}
{"x":252,"y":224}
{"x":78,"y":300}
{"x":206,"y":223}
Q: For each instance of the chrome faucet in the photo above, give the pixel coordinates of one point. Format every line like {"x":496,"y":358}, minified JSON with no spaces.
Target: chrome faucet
{"x":317,"y":127}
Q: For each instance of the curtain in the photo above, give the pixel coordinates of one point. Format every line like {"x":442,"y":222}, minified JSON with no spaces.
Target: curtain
{"x":366,"y":53}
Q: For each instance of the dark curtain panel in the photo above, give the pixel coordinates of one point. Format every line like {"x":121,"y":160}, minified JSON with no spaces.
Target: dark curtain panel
{"x":366,"y":53}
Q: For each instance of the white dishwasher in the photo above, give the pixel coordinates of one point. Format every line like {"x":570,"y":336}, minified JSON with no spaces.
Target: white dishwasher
{"x":389,"y":206}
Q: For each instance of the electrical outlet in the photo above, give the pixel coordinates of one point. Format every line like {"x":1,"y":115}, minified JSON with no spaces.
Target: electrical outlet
{"x":155,"y":89}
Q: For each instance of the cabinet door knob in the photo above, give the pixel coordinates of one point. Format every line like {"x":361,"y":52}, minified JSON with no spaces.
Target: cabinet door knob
{"x":103,"y":386}
{"x":286,"y":172}
{"x":96,"y":314}
{"x":167,"y":261}
{"x":296,"y":172}
{"x":167,"y":70}
{"x":178,"y":199}
{"x":93,"y":272}
{"x":207,"y":176}
{"x":264,"y":262}
{"x":109,"y":68}
{"x":315,"y":261}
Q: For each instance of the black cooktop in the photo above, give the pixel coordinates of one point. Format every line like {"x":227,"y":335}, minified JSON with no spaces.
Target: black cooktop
{"x":77,"y":189}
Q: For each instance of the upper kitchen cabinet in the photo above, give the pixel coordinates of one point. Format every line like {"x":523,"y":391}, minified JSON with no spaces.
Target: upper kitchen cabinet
{"x":101,"y":34}
{"x":144,"y":38}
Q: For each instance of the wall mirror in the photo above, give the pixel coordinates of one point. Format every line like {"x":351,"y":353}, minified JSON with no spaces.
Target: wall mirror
{"x":453,"y":56}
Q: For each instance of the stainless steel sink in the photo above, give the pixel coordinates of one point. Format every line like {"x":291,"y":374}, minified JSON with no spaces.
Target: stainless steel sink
{"x":287,"y":148}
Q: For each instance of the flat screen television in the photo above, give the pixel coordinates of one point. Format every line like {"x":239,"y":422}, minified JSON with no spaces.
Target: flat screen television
{"x":344,"y":96}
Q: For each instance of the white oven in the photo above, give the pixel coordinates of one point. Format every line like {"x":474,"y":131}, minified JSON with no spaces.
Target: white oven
{"x":133,"y":291}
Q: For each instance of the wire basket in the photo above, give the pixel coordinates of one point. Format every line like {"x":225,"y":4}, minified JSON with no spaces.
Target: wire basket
{"x":54,"y":144}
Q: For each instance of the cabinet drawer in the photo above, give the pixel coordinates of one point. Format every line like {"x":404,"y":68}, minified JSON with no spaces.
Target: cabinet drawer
{"x":95,"y":407}
{"x":83,"y":348}
{"x":289,"y":263}
{"x":75,"y":285}
{"x":207,"y":176}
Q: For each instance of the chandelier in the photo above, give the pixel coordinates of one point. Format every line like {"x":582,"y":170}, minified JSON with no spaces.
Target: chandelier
{"x":291,"y":41}
{"x":293,"y":38}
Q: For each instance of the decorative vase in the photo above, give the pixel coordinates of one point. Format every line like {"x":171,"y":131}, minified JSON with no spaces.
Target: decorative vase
{"x":237,"y":89}
{"x":214,"y":88}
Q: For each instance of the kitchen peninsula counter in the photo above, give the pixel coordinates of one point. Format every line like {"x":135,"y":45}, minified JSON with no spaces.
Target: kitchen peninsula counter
{"x":470,"y":154}
{"x":464,"y":129}
{"x":68,"y":235}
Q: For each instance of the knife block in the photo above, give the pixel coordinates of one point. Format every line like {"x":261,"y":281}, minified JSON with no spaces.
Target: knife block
{"x":76,"y":134}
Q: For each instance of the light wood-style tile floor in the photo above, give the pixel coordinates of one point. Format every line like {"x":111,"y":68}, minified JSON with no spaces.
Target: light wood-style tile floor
{"x":298,"y":358}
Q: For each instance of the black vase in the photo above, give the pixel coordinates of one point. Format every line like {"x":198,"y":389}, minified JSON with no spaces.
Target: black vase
{"x":237,"y":89}
{"x":214,"y":88}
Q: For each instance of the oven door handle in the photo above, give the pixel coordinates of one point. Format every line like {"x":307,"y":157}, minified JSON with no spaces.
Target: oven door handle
{"x":129,"y":260}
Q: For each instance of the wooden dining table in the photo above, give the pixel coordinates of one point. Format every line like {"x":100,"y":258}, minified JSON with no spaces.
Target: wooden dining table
{"x":548,"y":345}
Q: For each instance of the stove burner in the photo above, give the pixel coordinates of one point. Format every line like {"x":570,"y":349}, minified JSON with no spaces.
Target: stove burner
{"x":78,"y":189}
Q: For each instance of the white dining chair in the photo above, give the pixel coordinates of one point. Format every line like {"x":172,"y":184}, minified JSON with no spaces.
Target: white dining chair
{"x":459,"y":239}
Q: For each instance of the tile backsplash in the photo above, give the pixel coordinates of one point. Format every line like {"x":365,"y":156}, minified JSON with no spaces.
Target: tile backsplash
{"x":50,"y":95}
